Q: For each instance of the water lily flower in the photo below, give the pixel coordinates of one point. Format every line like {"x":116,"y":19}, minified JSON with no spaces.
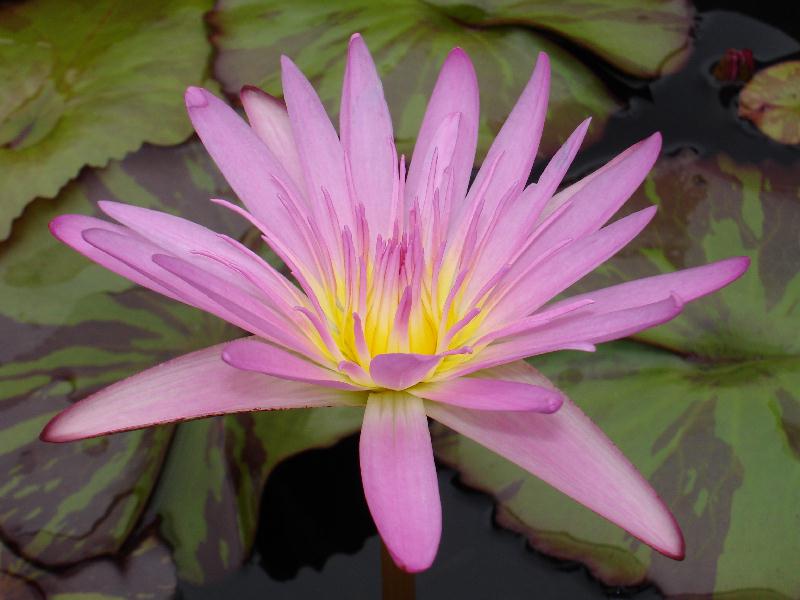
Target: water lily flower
{"x":417,"y":295}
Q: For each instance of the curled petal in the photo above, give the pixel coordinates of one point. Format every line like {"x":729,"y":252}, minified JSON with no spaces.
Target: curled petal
{"x":400,"y":371}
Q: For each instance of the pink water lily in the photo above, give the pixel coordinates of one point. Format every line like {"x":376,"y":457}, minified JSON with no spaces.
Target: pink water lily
{"x":417,"y":294}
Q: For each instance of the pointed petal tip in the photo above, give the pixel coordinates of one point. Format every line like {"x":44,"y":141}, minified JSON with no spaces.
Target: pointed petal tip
{"x":741,"y":264}
{"x":355,"y":38}
{"x":672,"y":545}
{"x":56,"y":225}
{"x":50,"y":434}
{"x":63,"y":428}
{"x":544,"y":59}
{"x":655,"y":140}
{"x":553,"y":403}
{"x":460,"y":56}
{"x":287,"y":63}
{"x":196,"y":97}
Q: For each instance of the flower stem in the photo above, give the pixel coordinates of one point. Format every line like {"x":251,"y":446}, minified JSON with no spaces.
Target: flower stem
{"x":397,"y":584}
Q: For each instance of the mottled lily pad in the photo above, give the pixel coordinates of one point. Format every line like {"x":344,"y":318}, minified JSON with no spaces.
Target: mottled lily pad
{"x":646,"y":38}
{"x":409,"y":41}
{"x":84,"y":82}
{"x":208,"y":504}
{"x":146,"y":572}
{"x":772,"y":101}
{"x":708,"y":406}
{"x":70,"y":327}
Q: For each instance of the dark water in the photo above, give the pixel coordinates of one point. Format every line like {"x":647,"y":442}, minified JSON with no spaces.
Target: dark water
{"x":316,"y":538}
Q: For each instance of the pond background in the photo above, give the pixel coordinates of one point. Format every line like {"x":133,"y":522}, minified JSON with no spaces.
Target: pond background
{"x":261,"y":506}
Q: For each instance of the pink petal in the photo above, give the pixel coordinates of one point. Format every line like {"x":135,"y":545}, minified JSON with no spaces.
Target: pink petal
{"x":317,"y":145}
{"x":455,"y":92}
{"x":250,"y":168}
{"x":568,"y":265}
{"x":191,"y":386}
{"x":69,"y":230}
{"x":574,"y":332}
{"x":251,"y":355}
{"x":255,"y":316}
{"x":514,"y":226}
{"x":570,"y":453}
{"x":518,"y":141}
{"x":688,"y":284}
{"x":442,"y":151}
{"x":567,"y":193}
{"x":270,"y":121}
{"x":399,"y":478}
{"x":399,"y":371}
{"x":594,"y":202}
{"x":188,"y":240}
{"x":135,"y":253}
{"x":487,"y":393}
{"x":367,"y":137}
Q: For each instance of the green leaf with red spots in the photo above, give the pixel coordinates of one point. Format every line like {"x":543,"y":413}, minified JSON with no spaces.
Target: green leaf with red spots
{"x":409,"y":41}
{"x":706,"y":406}
{"x":615,"y":30}
{"x":771,"y":100}
{"x":69,"y":328}
{"x":85,"y":82}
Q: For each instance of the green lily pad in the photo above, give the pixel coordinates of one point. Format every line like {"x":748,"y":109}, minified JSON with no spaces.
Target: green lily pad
{"x":409,"y":41}
{"x":644,"y":38}
{"x":707,"y":406}
{"x":145,"y":572}
{"x":85,"y":82}
{"x":71,"y":327}
{"x":771,"y":100}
